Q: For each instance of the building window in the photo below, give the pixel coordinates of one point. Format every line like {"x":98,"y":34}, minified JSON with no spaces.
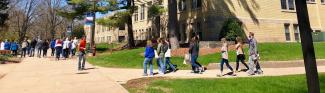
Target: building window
{"x":142,"y":12}
{"x":322,"y":1}
{"x":196,"y":4}
{"x":287,"y":4}
{"x":136,"y":14}
{"x":287,"y":31}
{"x":296,"y":29}
{"x":310,"y":1}
{"x":182,"y":5}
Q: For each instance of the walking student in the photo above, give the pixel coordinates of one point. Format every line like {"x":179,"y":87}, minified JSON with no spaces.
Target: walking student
{"x":240,"y":54}
{"x":172,"y":68}
{"x":149,"y":54}
{"x":45,"y":47}
{"x":14,"y":48}
{"x":66,"y":48}
{"x":2,"y":45}
{"x":52,"y":44}
{"x":224,"y":57}
{"x":194,"y":51}
{"x":39,"y":48}
{"x":7,"y":45}
{"x":24,"y":46}
{"x":82,"y":54}
{"x":32,"y":48}
{"x":161,"y":50}
{"x":74,"y":43}
{"x":58,"y":48}
{"x":254,"y":66}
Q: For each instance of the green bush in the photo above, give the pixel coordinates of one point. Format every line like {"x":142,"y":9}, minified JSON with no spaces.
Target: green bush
{"x":231,"y":29}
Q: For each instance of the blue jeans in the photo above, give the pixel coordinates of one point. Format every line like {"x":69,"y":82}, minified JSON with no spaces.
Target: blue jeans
{"x":82,"y":60}
{"x":162,"y":65}
{"x":58,"y":52}
{"x":193,"y":61}
{"x":227,"y":64}
{"x":145,"y":63}
{"x":167,"y":59}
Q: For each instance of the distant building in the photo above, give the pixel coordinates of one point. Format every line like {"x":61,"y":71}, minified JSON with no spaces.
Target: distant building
{"x":105,"y":34}
{"x":270,"y":20}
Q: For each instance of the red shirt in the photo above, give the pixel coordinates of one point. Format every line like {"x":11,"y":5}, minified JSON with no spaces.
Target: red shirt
{"x":82,"y":45}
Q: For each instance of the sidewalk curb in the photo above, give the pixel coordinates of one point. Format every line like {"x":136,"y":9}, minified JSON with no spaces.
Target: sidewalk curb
{"x":271,"y":64}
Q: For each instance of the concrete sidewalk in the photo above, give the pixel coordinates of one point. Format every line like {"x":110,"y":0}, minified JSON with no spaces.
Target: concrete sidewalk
{"x":125,"y":75}
{"x":45,"y":75}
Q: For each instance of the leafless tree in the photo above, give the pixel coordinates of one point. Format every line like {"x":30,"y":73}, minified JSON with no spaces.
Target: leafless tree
{"x":23,"y":14}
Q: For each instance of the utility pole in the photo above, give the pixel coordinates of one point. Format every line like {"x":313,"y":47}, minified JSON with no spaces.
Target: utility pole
{"x":307,"y":46}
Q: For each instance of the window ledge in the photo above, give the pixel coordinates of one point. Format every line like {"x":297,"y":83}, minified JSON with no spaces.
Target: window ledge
{"x":322,"y":3}
{"x":289,"y":11}
{"x":311,"y":2}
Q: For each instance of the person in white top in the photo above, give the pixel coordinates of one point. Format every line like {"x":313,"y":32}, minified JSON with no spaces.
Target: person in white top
{"x":2,"y":46}
{"x":224,"y":59}
{"x":167,"y":57}
{"x":66,"y":48}
{"x":240,"y":54}
{"x":74,"y":44}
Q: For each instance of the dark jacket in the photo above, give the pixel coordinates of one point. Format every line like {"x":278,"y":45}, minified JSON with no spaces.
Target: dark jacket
{"x":33,"y":43}
{"x":45,"y":45}
{"x":194,"y":49}
{"x":150,"y":52}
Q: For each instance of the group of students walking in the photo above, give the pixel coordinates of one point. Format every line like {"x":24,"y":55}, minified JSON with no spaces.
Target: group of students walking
{"x":253,"y":66}
{"x":10,"y":46}
{"x":59,"y":48}
{"x":64,"y":48}
{"x":163,"y":53}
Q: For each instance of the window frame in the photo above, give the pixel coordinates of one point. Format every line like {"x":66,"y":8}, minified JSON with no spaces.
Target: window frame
{"x":287,"y":32}
{"x":289,"y":6}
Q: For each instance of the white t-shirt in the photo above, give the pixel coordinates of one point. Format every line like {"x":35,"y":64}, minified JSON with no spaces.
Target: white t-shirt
{"x":224,"y":51}
{"x":74,"y":44}
{"x":2,"y":46}
{"x":239,"y":49}
{"x":66,"y":44}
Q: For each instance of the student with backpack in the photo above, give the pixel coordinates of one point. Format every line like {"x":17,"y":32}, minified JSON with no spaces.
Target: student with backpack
{"x":149,"y":54}
{"x":224,"y":57}
{"x":45,"y":47}
{"x":52,"y":45}
{"x":240,"y":54}
{"x":14,"y":48}
{"x":254,"y":66}
{"x":58,"y":48}
{"x":194,"y":52}
{"x":172,"y":67}
{"x":161,"y":50}
{"x":24,"y":46}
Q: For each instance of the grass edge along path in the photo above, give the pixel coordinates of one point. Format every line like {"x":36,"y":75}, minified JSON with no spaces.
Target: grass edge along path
{"x":268,"y":51}
{"x":267,"y":84}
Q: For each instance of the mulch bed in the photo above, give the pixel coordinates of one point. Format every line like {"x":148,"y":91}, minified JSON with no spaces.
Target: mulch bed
{"x":140,"y":84}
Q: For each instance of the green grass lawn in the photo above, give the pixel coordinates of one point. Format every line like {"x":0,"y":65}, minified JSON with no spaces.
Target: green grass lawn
{"x":271,"y":84}
{"x":268,"y":51}
{"x":103,"y":47}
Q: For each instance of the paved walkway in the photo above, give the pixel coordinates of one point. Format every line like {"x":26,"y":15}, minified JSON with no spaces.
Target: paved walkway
{"x":123,"y":75}
{"x":45,"y":75}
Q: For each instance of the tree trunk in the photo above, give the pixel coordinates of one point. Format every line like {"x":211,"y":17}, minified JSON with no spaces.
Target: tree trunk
{"x":172,"y":24}
{"x":307,"y":47}
{"x":131,"y":43}
{"x":157,"y":27}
